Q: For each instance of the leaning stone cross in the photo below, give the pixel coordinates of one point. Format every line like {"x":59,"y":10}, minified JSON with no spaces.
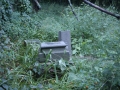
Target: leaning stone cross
{"x":54,"y":50}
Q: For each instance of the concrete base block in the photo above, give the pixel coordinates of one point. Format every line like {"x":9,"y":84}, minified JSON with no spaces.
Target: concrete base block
{"x":53,"y":56}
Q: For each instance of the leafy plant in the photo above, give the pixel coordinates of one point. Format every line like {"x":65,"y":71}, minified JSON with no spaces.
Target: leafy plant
{"x":95,"y":37}
{"x":23,"y":6}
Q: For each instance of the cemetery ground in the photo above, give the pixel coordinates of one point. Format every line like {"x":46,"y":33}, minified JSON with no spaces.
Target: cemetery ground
{"x":95,"y":41}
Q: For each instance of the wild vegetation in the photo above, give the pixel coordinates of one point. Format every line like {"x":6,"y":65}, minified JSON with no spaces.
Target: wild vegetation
{"x":95,"y":64}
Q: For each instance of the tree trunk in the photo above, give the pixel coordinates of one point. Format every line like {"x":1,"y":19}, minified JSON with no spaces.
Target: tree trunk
{"x":101,"y":9}
{"x":36,"y":5}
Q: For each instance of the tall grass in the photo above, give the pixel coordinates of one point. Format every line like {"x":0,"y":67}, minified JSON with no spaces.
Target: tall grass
{"x":95,"y":34}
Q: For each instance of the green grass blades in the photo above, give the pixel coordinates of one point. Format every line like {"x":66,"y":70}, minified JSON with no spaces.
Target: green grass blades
{"x":94,"y":64}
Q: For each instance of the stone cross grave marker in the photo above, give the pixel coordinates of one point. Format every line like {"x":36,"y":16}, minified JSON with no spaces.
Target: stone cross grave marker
{"x":57,"y":50}
{"x":66,"y":37}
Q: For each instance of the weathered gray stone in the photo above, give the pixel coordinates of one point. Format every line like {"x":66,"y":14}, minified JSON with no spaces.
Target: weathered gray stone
{"x":53,"y":44}
{"x":54,"y":56}
{"x":66,"y":37}
{"x":57,"y":50}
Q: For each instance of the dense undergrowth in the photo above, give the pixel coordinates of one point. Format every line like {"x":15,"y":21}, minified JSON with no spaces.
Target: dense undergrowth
{"x":95,"y":44}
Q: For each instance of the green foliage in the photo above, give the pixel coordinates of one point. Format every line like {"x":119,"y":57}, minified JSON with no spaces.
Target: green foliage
{"x":13,"y":71}
{"x":5,"y":10}
{"x":112,"y":77}
{"x":22,"y":6}
{"x":95,"y":44}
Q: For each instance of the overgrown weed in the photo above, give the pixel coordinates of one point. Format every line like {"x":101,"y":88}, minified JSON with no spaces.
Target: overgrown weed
{"x":96,"y":34}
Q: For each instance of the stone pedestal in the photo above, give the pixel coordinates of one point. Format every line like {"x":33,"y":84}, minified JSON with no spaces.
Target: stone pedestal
{"x":56,"y":50}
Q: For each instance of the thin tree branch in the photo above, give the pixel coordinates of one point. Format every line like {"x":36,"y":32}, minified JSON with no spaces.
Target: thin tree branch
{"x":103,"y":85}
{"x":101,"y":9}
{"x":73,"y":10}
{"x":37,"y":4}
